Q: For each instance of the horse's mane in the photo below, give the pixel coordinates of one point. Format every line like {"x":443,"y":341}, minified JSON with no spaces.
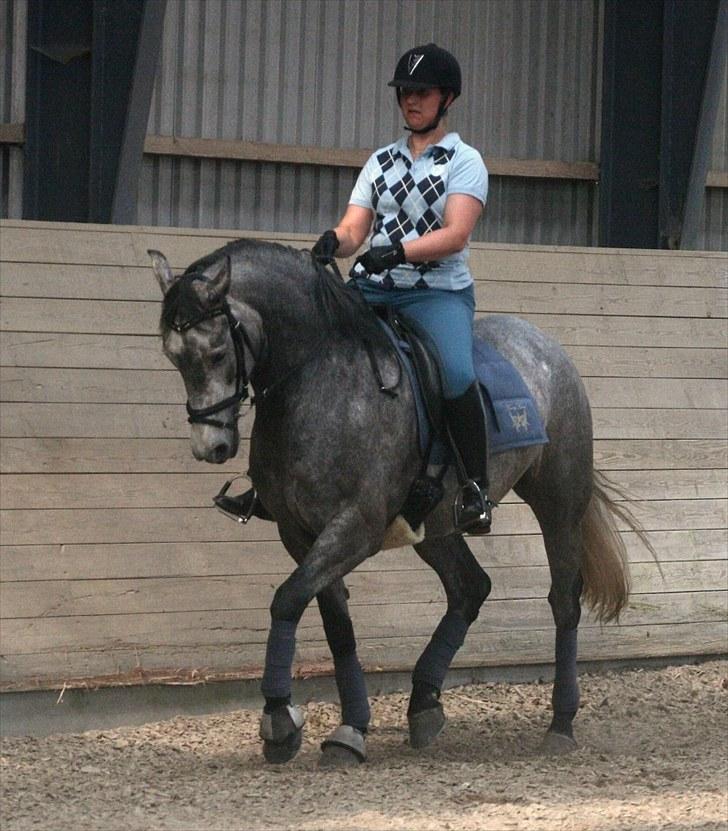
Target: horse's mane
{"x":344,"y":310}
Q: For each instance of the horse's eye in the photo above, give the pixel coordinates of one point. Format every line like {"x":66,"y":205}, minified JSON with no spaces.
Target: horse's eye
{"x":217,"y":359}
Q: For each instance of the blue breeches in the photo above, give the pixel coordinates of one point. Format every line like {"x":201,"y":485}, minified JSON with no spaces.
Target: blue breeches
{"x":447,"y":316}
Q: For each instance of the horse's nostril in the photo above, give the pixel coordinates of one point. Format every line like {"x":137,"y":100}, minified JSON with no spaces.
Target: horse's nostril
{"x":220,"y":453}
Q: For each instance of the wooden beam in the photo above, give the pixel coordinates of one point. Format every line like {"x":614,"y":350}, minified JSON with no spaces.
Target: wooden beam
{"x":717,"y":179}
{"x":543,"y":169}
{"x":253,"y":151}
{"x":343,"y":157}
{"x":12,"y":133}
{"x":206,"y":148}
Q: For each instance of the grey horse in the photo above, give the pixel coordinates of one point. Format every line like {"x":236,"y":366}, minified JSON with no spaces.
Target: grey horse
{"x":333,"y":460}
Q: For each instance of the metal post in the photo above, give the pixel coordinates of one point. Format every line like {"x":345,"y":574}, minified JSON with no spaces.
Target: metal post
{"x":124,"y":205}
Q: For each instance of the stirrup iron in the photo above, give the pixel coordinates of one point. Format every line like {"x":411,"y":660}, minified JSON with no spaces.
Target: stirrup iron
{"x":462,"y":503}
{"x":221,"y":500}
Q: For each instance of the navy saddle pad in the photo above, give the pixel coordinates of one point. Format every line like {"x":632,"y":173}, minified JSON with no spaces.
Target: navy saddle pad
{"x":513,"y":420}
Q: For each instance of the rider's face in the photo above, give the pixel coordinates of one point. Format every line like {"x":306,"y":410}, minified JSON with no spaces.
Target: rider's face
{"x":419,"y":106}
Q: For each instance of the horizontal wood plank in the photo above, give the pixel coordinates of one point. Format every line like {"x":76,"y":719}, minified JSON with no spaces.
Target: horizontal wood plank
{"x":63,"y":598}
{"x":578,"y":298}
{"x":140,"y":525}
{"x":588,"y":266}
{"x":488,"y":264}
{"x":42,"y":491}
{"x":34,"y":670}
{"x":169,"y":421}
{"x":164,"y":386}
{"x":138,"y":455}
{"x":97,"y":244}
{"x":124,"y":317}
{"x":96,"y":561}
{"x":227,"y":627}
{"x":659,"y":454}
{"x":106,"y":351}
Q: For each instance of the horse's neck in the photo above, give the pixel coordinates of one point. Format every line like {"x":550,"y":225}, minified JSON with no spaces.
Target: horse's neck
{"x":293,"y":327}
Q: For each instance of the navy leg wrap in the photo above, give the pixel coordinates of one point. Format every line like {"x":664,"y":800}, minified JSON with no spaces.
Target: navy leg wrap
{"x":279,"y":659}
{"x":435,"y":661}
{"x":352,"y":691}
{"x":565,"y":698}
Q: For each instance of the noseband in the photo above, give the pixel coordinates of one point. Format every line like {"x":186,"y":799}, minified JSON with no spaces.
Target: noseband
{"x":240,"y":340}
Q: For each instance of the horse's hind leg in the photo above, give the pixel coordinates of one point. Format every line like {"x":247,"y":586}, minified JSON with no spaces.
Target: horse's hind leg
{"x":466,"y":586}
{"x":560,"y":510}
{"x":564,"y":547}
{"x":345,"y":746}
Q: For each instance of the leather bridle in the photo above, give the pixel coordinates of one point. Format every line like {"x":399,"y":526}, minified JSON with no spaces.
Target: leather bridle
{"x":202,"y":415}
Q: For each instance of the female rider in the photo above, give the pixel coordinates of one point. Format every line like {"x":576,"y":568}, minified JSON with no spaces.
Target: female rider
{"x":418,"y":201}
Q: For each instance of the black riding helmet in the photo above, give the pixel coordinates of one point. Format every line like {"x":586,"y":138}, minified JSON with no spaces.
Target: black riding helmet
{"x":424,"y":67}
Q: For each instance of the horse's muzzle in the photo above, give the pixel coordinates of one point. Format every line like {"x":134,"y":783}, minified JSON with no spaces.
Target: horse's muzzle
{"x":212,"y":445}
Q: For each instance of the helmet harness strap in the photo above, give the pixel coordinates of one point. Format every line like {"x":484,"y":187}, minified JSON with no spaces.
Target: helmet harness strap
{"x":441,"y":113}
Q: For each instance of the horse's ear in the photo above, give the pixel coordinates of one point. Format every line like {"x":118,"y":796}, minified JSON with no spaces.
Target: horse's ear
{"x":162,"y":270}
{"x":218,"y":279}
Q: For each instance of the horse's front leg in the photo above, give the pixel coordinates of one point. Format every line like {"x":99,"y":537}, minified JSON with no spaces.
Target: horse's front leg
{"x":466,"y":586}
{"x":344,"y":543}
{"x":345,"y":747}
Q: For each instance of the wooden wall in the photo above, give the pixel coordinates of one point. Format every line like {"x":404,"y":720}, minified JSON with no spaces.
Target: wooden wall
{"x":113,"y":563}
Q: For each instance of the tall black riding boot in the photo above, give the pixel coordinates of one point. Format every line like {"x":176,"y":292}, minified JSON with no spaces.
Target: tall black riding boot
{"x":465,"y":419}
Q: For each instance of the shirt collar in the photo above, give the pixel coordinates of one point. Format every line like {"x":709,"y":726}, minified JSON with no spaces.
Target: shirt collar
{"x":447,"y":142}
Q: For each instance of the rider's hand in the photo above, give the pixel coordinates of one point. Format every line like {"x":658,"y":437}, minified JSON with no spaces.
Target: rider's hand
{"x":325,"y":247}
{"x":382,"y":258}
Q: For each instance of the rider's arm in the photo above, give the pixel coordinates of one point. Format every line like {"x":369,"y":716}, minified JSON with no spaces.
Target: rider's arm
{"x":461,"y":214}
{"x":353,"y":229}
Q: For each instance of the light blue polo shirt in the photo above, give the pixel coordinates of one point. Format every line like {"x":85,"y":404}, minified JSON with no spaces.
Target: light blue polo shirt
{"x":408,"y":199}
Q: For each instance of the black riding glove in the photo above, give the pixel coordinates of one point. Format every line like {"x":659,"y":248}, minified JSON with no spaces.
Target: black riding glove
{"x":325,"y":247}
{"x":382,"y":258}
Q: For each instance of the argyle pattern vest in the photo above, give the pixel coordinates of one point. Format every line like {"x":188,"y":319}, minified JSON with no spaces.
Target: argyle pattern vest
{"x":403,"y":204}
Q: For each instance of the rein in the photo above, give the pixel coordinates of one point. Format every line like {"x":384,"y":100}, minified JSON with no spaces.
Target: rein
{"x":275,"y":385}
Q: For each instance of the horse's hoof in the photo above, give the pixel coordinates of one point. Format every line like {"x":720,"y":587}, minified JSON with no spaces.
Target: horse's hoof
{"x":345,"y":748}
{"x":557,"y":744}
{"x":282,"y":734}
{"x":425,"y":726}
{"x":282,"y":752}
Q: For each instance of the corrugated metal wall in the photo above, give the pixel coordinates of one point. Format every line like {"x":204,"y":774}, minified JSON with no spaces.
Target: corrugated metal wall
{"x":13,"y":15}
{"x":314,"y":72}
{"x":715,"y":220}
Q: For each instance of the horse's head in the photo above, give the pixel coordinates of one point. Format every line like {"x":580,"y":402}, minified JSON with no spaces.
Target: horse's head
{"x":206,"y":334}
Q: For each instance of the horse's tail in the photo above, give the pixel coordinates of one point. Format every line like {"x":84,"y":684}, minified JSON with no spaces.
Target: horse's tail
{"x":604,"y":565}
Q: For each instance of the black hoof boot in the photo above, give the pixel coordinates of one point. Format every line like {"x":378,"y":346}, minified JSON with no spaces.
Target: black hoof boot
{"x":282,"y":734}
{"x":425,"y":715}
{"x":344,"y":748}
{"x":558,"y":744}
{"x":426,"y":726}
{"x":559,"y":740}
